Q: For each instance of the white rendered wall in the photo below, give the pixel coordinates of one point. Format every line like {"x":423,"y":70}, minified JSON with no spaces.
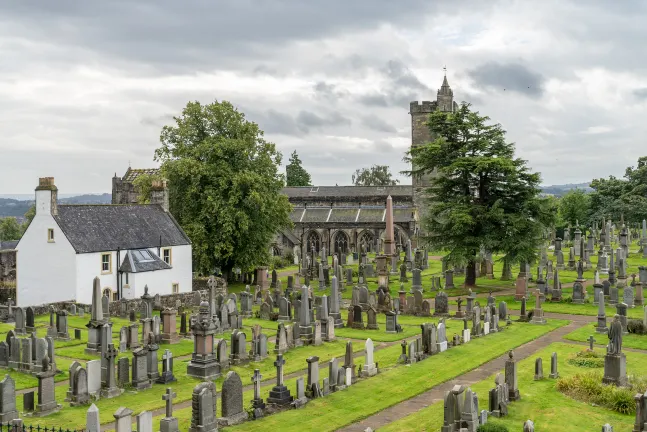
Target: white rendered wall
{"x":45,"y":271}
{"x":88,"y":267}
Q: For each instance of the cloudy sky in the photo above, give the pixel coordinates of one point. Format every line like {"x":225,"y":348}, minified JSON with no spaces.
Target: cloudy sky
{"x":85,"y":87}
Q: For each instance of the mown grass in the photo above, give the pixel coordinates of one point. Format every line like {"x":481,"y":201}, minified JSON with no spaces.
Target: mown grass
{"x":540,"y":400}
{"x":630,"y":340}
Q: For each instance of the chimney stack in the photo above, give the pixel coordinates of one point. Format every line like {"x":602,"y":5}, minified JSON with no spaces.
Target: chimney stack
{"x":46,"y":196}
{"x":159,"y":194}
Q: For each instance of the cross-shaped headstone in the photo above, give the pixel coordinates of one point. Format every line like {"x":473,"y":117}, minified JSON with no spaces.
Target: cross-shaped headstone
{"x":256,"y":379}
{"x":591,"y":341}
{"x":168,"y":397}
{"x":167,"y":358}
{"x":280,"y":361}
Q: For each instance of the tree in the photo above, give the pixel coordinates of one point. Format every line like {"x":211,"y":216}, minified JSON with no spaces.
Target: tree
{"x":29,"y":216}
{"x":295,"y":174}
{"x":224,"y":186}
{"x":482,"y":197}
{"x":575,"y":208}
{"x":10,"y":229}
{"x":143,"y":184}
{"x":377,"y":175}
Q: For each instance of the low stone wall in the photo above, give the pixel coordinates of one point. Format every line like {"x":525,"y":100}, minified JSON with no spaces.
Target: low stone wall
{"x":189,"y":299}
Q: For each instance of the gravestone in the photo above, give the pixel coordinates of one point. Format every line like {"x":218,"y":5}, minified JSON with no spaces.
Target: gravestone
{"x":203,"y":408}
{"x":369,"y":368}
{"x":232,"y":410}
{"x":539,"y":369}
{"x":553,"y":366}
{"x":46,"y":390}
{"x":441,"y":304}
{"x":93,"y":368}
{"x":167,"y":368}
{"x":511,"y":378}
{"x":123,"y":371}
{"x":615,"y":362}
{"x":140,"y":379}
{"x":279,"y":394}
{"x":8,"y":408}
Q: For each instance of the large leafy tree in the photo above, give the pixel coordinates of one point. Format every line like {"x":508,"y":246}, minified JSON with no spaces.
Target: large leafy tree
{"x":295,"y":174}
{"x":376,"y":175}
{"x":10,"y":229}
{"x":224,"y":186}
{"x":613,"y":197}
{"x":575,"y":208}
{"x":482,"y":197}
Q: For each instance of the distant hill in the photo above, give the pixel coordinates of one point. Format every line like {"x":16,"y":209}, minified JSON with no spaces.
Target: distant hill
{"x":559,"y":190}
{"x":10,"y":207}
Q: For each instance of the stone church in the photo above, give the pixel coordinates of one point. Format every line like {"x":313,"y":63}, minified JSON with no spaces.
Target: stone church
{"x":342,"y":218}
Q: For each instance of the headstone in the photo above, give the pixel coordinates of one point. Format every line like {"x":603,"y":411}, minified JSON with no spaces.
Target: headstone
{"x":279,"y":394}
{"x":553,"y":366}
{"x":232,"y":411}
{"x":511,"y":377}
{"x":369,"y":368}
{"x":169,"y":423}
{"x":203,"y":408}
{"x":539,"y":369}
{"x":8,"y":408}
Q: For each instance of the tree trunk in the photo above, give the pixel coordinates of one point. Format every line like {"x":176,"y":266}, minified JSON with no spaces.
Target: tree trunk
{"x":470,"y":274}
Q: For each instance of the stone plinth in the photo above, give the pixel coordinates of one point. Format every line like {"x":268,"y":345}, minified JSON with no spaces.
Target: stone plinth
{"x":615,"y":369}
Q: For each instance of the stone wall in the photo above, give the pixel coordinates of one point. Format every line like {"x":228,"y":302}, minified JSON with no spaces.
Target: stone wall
{"x":7,"y":267}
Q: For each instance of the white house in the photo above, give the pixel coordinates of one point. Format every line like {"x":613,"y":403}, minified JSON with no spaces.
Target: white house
{"x":128,"y":246}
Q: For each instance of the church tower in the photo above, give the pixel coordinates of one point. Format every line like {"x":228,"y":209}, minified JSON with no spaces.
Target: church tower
{"x":420,"y":134}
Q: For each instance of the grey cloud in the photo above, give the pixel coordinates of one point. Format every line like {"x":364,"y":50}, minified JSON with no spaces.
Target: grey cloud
{"x":640,"y":93}
{"x":377,"y":124}
{"x":308,"y":119}
{"x":374,"y":99}
{"x":402,"y":86}
{"x":158,"y":121}
{"x":402,"y":76}
{"x":329,"y":92}
{"x":514,"y":77}
{"x":383,"y":146}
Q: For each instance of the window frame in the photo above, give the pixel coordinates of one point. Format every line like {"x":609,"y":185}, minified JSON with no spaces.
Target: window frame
{"x":50,"y":235}
{"x":170,"y":256}
{"x":109,"y":255}
{"x":175,"y":288}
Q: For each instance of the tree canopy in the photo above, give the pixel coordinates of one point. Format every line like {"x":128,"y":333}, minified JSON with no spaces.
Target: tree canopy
{"x":10,"y":229}
{"x":295,"y":174}
{"x":575,"y":208}
{"x":224,"y":186}
{"x":482,"y":197}
{"x":376,"y":175}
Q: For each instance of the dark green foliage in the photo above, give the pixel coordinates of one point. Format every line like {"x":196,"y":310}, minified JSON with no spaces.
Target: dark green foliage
{"x":492,"y":427}
{"x":575,"y":208}
{"x":377,"y":175}
{"x":483,"y":197}
{"x":224,"y":186}
{"x":295,"y":174}
{"x":10,"y":229}
{"x":614,"y":197}
{"x":636,"y":326}
{"x":588,"y":387}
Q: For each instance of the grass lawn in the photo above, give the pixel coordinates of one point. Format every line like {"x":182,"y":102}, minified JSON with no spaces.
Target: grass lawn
{"x":393,"y":384}
{"x":630,"y":340}
{"x":540,"y":401}
{"x":589,"y":309}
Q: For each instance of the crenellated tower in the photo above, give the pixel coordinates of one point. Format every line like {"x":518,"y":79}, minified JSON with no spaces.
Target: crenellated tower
{"x":421,"y":135}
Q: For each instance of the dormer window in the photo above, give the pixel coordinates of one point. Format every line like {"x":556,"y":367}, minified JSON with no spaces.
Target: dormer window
{"x":50,"y":235}
{"x":143,"y":255}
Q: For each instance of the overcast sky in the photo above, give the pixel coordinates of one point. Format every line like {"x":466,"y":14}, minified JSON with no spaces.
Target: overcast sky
{"x":85,"y":87}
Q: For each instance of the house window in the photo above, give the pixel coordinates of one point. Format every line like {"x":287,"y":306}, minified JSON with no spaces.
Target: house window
{"x":126,"y":278}
{"x":166,"y":256}
{"x":106,"y":263}
{"x":176,"y":288}
{"x":50,"y":235}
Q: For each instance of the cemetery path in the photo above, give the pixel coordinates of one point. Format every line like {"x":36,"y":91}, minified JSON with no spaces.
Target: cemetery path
{"x":437,"y":393}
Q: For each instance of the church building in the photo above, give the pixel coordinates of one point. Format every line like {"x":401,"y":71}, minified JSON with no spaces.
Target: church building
{"x":343,"y":218}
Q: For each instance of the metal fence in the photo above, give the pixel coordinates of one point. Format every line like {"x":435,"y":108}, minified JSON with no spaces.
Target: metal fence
{"x":10,"y":427}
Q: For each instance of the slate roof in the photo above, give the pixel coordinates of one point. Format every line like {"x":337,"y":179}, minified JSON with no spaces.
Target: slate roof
{"x":349,"y":214}
{"x":135,"y":262}
{"x":97,"y":228}
{"x":348,"y":191}
{"x":133,"y":173}
{"x":8,"y":245}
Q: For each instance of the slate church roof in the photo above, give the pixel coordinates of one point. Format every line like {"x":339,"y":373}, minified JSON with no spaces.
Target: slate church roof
{"x":328,"y":192}
{"x":98,"y":228}
{"x":138,"y":261}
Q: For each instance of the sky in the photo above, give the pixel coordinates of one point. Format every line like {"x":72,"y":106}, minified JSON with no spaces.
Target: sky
{"x":85,"y":87}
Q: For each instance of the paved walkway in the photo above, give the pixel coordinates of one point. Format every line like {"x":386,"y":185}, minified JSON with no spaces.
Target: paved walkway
{"x":437,"y":393}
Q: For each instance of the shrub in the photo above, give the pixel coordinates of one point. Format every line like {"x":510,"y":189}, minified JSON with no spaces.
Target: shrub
{"x":636,"y":326}
{"x":587,"y":359}
{"x":492,"y":427}
{"x":278,"y":262}
{"x":588,"y":387}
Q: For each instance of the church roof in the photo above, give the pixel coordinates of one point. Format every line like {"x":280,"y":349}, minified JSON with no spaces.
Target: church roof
{"x":138,"y":261}
{"x":324,"y":192}
{"x":349,"y":215}
{"x":98,"y":228}
{"x":133,"y":173}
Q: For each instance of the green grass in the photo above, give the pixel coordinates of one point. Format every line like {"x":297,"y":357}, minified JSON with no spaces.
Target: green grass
{"x":540,"y":401}
{"x":588,"y":309}
{"x":630,"y":340}
{"x":394,"y":384}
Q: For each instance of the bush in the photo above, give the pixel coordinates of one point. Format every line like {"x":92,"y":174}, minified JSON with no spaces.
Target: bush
{"x":277,"y":262}
{"x":636,"y":326}
{"x":492,"y":427}
{"x":588,"y":387}
{"x":587,"y":359}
